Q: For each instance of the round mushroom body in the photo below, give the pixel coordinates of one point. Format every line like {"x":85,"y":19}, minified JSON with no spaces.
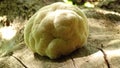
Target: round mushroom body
{"x":55,"y":30}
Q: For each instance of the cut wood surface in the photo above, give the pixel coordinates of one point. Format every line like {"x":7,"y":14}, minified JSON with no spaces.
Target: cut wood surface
{"x":101,"y":51}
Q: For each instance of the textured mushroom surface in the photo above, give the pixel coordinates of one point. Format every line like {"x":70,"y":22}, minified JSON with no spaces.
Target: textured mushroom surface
{"x":55,"y":30}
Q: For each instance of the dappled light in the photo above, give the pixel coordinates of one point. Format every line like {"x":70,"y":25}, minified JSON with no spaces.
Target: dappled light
{"x":101,"y":50}
{"x":68,"y":2}
{"x":7,"y":33}
{"x":107,"y":12}
{"x":113,"y":53}
{"x":89,"y":5}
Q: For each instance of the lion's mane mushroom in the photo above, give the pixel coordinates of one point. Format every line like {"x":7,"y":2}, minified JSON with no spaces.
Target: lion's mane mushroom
{"x":55,"y":30}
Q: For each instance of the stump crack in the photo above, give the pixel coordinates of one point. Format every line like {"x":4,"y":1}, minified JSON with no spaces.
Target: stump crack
{"x":105,"y":57}
{"x":73,"y":61}
{"x":20,"y":62}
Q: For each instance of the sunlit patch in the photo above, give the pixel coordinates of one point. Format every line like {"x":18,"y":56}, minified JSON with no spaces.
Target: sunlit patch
{"x":3,"y":18}
{"x":89,"y":5}
{"x":113,"y":53}
{"x":68,"y":2}
{"x":7,"y":33}
{"x":107,"y":12}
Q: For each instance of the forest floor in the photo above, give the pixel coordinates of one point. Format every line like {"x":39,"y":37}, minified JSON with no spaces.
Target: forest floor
{"x":101,"y":51}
